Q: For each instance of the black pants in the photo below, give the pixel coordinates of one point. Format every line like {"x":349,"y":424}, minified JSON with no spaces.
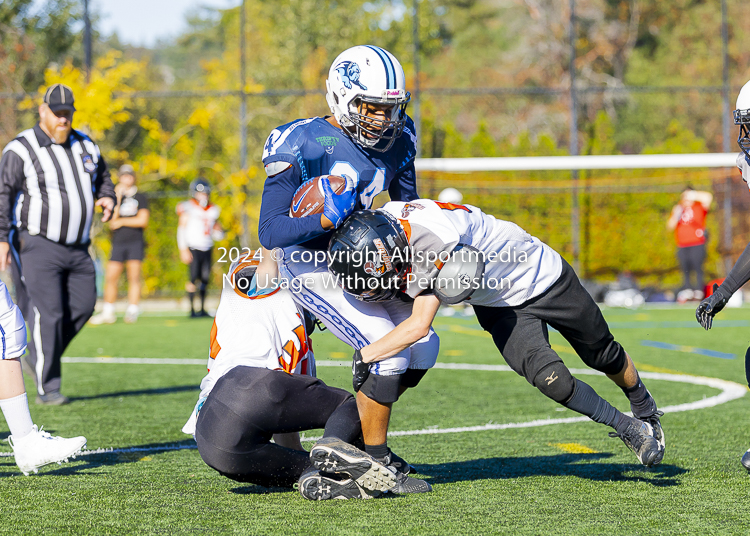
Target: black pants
{"x":521,"y":335}
{"x":56,"y":291}
{"x":200,"y":267}
{"x":691,"y":260}
{"x":248,"y":405}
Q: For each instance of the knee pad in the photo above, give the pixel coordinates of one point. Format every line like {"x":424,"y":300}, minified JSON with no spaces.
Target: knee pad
{"x":382,"y":389}
{"x":555,"y":382}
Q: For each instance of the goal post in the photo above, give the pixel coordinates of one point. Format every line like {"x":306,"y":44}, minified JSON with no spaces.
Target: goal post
{"x":622,"y":201}
{"x":580,"y":163}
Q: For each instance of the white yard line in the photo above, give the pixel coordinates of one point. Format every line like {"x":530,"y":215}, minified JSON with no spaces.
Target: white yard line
{"x":729,"y":391}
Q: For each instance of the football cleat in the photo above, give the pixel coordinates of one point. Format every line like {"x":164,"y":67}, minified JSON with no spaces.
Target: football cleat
{"x":39,"y":448}
{"x":102,"y":318}
{"x":655,"y":423}
{"x":408,"y":484}
{"x":746,"y":460}
{"x":639,"y":437}
{"x":331,"y":455}
{"x":318,"y":486}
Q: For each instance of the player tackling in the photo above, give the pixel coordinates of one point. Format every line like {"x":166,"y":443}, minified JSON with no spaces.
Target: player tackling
{"x":261,"y":385}
{"x":431,"y":251}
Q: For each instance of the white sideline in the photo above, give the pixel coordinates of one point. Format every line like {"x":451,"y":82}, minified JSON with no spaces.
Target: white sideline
{"x":729,"y":391}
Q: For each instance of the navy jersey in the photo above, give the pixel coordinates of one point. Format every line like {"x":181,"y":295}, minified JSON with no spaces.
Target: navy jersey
{"x":309,"y":148}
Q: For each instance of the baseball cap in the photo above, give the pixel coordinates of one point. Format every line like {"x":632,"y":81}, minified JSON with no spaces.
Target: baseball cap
{"x":126,"y":169}
{"x":59,"y":97}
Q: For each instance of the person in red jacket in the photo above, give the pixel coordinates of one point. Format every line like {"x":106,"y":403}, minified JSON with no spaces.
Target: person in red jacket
{"x":688,"y":221}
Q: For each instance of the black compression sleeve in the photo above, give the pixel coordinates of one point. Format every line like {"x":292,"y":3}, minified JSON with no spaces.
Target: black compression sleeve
{"x":738,"y":276}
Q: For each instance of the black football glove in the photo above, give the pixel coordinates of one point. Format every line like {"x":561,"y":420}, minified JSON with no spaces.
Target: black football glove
{"x":710,"y":306}
{"x":360,"y":371}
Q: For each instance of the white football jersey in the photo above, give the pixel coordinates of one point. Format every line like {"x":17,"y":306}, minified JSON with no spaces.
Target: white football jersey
{"x":518,"y":266}
{"x":260,"y":330}
{"x":200,"y":223}
{"x":12,"y":326}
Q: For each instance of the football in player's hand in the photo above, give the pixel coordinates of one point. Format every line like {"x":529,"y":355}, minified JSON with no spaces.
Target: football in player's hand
{"x":309,"y":198}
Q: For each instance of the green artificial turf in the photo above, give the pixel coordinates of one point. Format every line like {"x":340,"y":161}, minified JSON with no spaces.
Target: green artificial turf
{"x":555,"y":479}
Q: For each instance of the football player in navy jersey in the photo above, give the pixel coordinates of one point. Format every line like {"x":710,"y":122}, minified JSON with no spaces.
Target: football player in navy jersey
{"x":371,"y":142}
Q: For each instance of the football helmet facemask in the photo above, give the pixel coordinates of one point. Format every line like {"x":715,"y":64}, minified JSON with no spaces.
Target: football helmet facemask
{"x":366,"y":91}
{"x":742,"y":118}
{"x":368,"y":255}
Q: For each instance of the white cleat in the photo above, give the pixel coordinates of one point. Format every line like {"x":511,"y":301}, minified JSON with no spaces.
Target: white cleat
{"x":102,"y":318}
{"x":39,"y":448}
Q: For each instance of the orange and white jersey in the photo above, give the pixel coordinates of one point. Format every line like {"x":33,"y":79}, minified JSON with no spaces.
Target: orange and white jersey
{"x":200,"y":223}
{"x":518,"y":266}
{"x":263,"y":329}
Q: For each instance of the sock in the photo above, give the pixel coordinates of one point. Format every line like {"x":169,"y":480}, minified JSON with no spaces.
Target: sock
{"x":641,"y":402}
{"x":132,"y":309}
{"x":16,"y":412}
{"x":108,"y":309}
{"x":586,"y":402}
{"x":378,"y":451}
{"x":191,"y":295}
{"x":203,"y":298}
{"x":344,"y":424}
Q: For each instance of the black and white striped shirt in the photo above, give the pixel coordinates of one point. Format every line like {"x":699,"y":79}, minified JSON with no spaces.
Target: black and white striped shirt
{"x":49,"y":189}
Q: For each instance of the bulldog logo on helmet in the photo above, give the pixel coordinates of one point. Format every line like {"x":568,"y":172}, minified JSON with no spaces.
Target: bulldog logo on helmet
{"x":349,"y":73}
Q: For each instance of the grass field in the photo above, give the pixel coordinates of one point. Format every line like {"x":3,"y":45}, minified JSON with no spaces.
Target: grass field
{"x":568,"y":478}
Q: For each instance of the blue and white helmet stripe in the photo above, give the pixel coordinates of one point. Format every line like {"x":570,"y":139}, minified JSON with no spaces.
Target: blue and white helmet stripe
{"x":390,"y":73}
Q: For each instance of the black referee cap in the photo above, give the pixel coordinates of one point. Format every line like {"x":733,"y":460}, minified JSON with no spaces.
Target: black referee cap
{"x":59,"y":97}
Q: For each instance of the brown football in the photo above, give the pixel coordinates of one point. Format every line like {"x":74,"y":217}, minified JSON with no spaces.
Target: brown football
{"x":309,"y":198}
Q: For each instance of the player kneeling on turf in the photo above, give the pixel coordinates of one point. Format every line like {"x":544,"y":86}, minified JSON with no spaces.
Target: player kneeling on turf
{"x":438,"y":251}
{"x":32,"y":447}
{"x":261,"y":385}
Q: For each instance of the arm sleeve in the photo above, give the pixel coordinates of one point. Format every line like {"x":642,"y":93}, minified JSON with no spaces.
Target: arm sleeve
{"x":738,"y":276}
{"x":103,"y":185}
{"x":275,"y":228}
{"x":11,"y":182}
{"x":403,"y":187}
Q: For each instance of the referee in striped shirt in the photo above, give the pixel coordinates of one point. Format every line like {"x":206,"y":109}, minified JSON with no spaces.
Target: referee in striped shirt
{"x":51,"y":179}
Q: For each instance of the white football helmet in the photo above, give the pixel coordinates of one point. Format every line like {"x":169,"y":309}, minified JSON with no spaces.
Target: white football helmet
{"x":742,"y":118}
{"x":366,"y":90}
{"x":450,"y":195}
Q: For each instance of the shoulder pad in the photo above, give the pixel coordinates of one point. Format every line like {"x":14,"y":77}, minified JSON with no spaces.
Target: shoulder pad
{"x":279,"y":139}
{"x":276,"y":167}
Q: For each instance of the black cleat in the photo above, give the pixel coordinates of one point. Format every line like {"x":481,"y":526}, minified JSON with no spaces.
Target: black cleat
{"x":745,"y":460}
{"x":408,"y":484}
{"x":639,"y":437}
{"x":331,"y":455}
{"x":317,"y":486}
